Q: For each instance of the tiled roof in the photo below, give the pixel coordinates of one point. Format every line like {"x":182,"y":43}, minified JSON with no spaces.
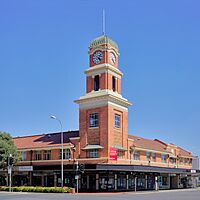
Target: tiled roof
{"x":44,"y":140}
{"x":183,"y":152}
{"x":148,"y":144}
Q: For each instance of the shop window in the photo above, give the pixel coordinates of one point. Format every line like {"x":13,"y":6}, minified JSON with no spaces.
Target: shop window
{"x":47,"y":154}
{"x":96,"y":83}
{"x":94,"y":120}
{"x":66,"y":154}
{"x":121,"y":182}
{"x":113,"y":83}
{"x":131,"y":182}
{"x":117,"y":121}
{"x":23,"y":154}
{"x":164,"y":158}
{"x":135,"y":155}
{"x":37,"y":155}
{"x":93,"y":153}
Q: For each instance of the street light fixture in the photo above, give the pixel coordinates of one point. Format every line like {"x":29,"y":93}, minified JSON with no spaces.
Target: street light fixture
{"x":61,"y":128}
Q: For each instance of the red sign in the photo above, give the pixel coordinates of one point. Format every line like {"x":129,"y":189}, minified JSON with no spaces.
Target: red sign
{"x":113,"y":153}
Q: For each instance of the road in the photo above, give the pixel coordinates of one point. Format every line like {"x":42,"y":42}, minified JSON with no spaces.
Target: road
{"x":191,"y":194}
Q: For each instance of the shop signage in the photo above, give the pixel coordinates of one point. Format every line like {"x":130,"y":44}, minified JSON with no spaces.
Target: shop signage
{"x":113,"y":153}
{"x":25,"y":168}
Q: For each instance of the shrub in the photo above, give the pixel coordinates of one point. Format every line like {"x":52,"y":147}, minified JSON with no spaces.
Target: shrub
{"x":37,"y":189}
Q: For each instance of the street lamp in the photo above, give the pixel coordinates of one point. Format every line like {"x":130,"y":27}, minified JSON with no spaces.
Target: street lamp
{"x":61,"y":127}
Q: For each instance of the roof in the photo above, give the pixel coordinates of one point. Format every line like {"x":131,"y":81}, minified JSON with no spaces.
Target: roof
{"x":148,"y":144}
{"x":44,"y":140}
{"x":103,"y":40}
{"x":156,"y":145}
{"x":183,"y":152}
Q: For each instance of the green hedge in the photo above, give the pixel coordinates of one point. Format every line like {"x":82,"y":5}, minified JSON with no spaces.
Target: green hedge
{"x":36,"y":189}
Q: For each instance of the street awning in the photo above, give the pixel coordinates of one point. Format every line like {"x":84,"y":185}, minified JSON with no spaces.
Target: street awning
{"x":92,"y":146}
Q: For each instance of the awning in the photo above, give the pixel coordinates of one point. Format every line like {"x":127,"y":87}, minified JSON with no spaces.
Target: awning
{"x":119,"y":147}
{"x":92,"y":146}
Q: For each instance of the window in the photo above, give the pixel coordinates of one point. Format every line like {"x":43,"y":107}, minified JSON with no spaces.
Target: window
{"x":23,"y":154}
{"x":113,"y":84}
{"x":164,"y":158}
{"x":171,"y":160}
{"x":37,"y":155}
{"x":117,"y":121}
{"x":153,"y":155}
{"x":66,"y":154}
{"x":94,"y":120}
{"x":135,"y":155}
{"x":148,"y":154}
{"x":47,"y":154}
{"x":93,"y":153}
{"x":96,"y":83}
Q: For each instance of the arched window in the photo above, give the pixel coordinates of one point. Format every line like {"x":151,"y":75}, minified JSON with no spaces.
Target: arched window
{"x":96,"y":83}
{"x":113,"y":84}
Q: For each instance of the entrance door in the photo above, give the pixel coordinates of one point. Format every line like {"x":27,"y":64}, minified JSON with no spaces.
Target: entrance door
{"x":92,"y":182}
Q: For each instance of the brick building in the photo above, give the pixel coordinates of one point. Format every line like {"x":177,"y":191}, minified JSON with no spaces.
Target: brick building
{"x":113,"y":159}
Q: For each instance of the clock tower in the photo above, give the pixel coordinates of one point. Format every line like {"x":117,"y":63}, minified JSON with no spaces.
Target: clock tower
{"x":103,"y":112}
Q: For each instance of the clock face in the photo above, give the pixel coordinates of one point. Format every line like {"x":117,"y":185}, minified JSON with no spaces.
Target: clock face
{"x":112,"y":58}
{"x":97,"y":57}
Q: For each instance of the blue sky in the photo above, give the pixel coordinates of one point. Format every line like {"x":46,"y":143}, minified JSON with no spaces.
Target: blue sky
{"x":43,"y":53}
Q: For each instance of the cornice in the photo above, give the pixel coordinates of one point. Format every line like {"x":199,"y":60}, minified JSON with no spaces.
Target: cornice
{"x":103,"y":68}
{"x":103,"y":97}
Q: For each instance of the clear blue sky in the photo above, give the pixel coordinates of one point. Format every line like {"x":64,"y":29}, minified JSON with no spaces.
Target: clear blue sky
{"x":43,"y":53}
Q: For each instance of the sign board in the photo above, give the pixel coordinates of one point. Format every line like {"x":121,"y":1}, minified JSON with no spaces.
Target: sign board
{"x":77,"y":177}
{"x":9,"y":170}
{"x":25,"y":168}
{"x":113,"y":153}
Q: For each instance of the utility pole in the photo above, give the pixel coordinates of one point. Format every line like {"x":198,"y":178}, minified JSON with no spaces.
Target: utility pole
{"x":77,"y":176}
{"x":10,"y":164}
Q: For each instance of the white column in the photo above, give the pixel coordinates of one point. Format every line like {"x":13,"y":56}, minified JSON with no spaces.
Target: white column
{"x":127,"y":181}
{"x":146,"y":181}
{"x":115,"y":181}
{"x":55,"y":180}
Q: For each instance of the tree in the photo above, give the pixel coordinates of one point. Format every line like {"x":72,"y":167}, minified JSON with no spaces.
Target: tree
{"x":7,"y":147}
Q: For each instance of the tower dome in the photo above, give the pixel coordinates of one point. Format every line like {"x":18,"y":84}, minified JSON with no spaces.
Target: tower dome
{"x":103,"y":40}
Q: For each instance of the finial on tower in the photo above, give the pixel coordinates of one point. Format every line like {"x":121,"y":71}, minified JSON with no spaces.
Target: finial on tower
{"x":104,"y":22}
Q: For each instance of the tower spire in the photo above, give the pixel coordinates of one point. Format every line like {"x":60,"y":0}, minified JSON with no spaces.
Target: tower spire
{"x":104,"y":22}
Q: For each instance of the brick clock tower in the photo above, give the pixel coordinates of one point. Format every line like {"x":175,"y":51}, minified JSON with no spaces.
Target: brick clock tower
{"x":103,"y":112}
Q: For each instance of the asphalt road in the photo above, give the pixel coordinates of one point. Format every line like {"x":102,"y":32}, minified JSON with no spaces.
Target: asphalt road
{"x":193,"y":194}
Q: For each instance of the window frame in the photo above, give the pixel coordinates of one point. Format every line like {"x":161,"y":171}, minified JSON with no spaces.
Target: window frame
{"x":38,"y":155}
{"x":66,"y":154}
{"x":23,"y":155}
{"x":114,"y":83}
{"x":135,"y":155}
{"x":117,"y":120}
{"x":47,"y":154}
{"x":165,"y":158}
{"x":96,"y":83}
{"x":94,"y":120}
{"x":93,"y":153}
{"x":153,"y":156}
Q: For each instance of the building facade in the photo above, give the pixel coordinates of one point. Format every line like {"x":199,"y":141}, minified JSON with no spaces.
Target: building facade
{"x":113,"y":160}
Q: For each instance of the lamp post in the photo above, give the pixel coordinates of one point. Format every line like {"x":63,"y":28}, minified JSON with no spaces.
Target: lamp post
{"x":61,"y":128}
